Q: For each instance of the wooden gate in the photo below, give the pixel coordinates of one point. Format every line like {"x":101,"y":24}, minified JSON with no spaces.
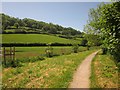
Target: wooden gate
{"x":9,"y":52}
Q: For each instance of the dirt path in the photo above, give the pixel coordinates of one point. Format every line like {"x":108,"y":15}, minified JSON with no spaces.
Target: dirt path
{"x":0,"y":52}
{"x":81,"y":76}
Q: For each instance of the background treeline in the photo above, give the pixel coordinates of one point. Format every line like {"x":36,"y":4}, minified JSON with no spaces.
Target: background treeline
{"x":36,"y":44}
{"x":27,"y":25}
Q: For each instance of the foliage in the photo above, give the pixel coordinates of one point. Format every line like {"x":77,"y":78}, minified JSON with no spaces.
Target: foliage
{"x":105,"y":21}
{"x":75,"y":48}
{"x":49,"y":51}
{"x":18,"y":62}
{"x":16,"y":25}
{"x":36,"y":26}
{"x":111,"y":28}
{"x":92,"y":40}
{"x":33,"y":59}
{"x":10,"y":63}
{"x":84,"y":42}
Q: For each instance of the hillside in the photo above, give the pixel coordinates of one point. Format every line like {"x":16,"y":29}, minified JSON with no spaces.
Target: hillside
{"x":27,"y":25}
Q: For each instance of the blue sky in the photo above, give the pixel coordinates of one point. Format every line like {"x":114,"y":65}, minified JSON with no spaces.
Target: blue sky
{"x":67,"y":14}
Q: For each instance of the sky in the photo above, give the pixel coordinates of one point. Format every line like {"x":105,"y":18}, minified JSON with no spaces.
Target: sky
{"x":67,"y":14}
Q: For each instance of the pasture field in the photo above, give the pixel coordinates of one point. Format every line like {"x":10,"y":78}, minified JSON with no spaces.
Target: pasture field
{"x":53,"y":72}
{"x":24,"y":52}
{"x":104,"y":72}
{"x":35,"y":38}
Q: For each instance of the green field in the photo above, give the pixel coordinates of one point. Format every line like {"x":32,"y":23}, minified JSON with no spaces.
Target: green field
{"x":35,"y":38}
{"x":53,"y":72}
{"x":104,"y":72}
{"x":24,"y":52}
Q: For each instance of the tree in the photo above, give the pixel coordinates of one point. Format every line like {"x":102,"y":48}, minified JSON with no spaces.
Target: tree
{"x":105,"y":21}
{"x":92,"y":40}
{"x":84,"y":42}
{"x":16,"y":25}
{"x":110,"y":21}
{"x":9,"y":22}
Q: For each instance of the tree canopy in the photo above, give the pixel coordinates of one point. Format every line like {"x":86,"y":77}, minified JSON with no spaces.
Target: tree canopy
{"x":105,"y":22}
{"x":26,"y":24}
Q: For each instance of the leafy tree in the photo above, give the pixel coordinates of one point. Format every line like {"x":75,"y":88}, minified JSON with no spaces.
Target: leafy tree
{"x":110,"y":20}
{"x":92,"y":40}
{"x":84,"y":42}
{"x":16,"y":25}
{"x":105,"y":21}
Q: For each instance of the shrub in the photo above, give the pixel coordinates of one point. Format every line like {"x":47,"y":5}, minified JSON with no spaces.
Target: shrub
{"x":49,"y":51}
{"x":75,"y":48}
{"x":14,"y":63}
{"x":104,"y":50}
{"x":118,"y":66}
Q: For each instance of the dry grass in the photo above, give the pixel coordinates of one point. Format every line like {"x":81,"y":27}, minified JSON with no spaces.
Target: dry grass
{"x":105,"y":72}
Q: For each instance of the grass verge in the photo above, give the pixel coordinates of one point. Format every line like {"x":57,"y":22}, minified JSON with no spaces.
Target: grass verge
{"x":104,"y":73}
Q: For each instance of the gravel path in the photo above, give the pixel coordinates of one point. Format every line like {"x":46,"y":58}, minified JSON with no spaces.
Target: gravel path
{"x":81,"y":76}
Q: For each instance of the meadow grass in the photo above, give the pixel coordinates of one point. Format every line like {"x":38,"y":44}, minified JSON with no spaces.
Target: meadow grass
{"x":35,"y":38}
{"x":56,"y":72}
{"x":104,"y":72}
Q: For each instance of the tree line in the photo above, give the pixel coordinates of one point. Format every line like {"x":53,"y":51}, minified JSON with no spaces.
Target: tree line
{"x":27,"y":25}
{"x":104,"y":21}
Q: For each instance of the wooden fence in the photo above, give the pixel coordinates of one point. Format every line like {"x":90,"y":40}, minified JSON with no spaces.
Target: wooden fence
{"x":9,"y":52}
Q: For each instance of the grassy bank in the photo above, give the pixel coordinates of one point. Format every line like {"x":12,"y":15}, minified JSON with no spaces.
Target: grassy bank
{"x":53,"y":72}
{"x":104,"y":72}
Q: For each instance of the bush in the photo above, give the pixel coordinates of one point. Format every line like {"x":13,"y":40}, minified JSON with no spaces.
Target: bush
{"x":38,"y":58}
{"x":18,"y":62}
{"x":88,"y":47}
{"x":14,"y":63}
{"x":49,"y":51}
{"x":75,"y":48}
{"x":118,"y":66}
{"x":104,"y":50}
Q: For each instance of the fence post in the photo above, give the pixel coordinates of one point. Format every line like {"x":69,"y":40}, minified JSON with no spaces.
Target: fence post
{"x":13,"y":54}
{"x":10,"y":54}
{"x":4,"y":56}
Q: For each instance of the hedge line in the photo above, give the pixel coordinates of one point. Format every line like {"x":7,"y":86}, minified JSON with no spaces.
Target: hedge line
{"x":34,"y":44}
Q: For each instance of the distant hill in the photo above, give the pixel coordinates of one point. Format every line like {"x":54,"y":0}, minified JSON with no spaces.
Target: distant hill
{"x":26,"y":25}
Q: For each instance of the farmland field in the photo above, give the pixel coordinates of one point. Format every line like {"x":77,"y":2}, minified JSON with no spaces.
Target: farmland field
{"x":35,"y":38}
{"x":23,"y":52}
